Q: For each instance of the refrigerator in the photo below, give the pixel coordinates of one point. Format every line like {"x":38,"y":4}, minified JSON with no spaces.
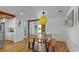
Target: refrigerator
{"x":2,"y":34}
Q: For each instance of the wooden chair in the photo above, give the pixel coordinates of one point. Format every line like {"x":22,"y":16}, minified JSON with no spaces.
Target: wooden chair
{"x":31,"y":42}
{"x":51,"y":45}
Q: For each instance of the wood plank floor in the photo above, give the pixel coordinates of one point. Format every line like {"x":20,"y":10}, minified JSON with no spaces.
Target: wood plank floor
{"x":61,"y":46}
{"x":22,"y":46}
{"x":8,"y":46}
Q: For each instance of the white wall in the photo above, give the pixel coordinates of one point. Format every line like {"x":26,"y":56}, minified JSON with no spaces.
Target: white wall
{"x":9,"y":24}
{"x":73,"y":38}
{"x":55,"y":26}
{"x":19,"y":30}
{"x":72,"y":33}
{"x":18,"y":33}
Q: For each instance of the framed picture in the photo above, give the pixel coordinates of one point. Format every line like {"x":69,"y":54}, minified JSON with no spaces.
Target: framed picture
{"x":70,"y":19}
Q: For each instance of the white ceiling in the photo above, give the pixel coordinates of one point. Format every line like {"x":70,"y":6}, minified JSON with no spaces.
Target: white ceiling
{"x":34,"y":12}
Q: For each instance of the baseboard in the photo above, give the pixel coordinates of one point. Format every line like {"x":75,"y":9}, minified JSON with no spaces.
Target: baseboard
{"x":9,"y":40}
{"x":20,"y":40}
{"x":73,"y":47}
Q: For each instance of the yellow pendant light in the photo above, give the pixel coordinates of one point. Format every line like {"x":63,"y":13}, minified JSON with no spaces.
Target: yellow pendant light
{"x":43,"y":19}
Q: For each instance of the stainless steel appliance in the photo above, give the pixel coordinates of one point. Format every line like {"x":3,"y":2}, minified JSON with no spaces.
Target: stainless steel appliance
{"x":2,"y":34}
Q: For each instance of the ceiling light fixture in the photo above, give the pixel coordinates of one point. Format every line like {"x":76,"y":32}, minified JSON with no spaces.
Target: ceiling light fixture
{"x":21,"y":13}
{"x":43,"y":21}
{"x":60,"y":11}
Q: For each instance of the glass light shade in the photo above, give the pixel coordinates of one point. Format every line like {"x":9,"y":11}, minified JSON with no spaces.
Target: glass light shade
{"x":43,"y":20}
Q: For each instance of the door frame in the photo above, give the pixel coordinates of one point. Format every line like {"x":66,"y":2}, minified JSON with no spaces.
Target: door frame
{"x":29,"y":21}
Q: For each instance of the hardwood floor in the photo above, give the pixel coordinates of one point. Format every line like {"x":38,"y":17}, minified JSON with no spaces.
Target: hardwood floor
{"x":61,"y":46}
{"x":8,"y":46}
{"x":22,"y":46}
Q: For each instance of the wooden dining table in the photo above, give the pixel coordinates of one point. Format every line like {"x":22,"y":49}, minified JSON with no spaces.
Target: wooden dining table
{"x":42,"y":46}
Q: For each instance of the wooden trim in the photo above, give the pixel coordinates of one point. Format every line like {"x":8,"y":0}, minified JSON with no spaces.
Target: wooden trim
{"x":6,"y":15}
{"x":28,"y":28}
{"x":9,"y":40}
{"x":33,"y":20}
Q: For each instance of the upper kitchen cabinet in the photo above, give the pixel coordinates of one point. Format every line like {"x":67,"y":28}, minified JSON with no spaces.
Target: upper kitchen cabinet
{"x":6,"y":15}
{"x":72,"y":17}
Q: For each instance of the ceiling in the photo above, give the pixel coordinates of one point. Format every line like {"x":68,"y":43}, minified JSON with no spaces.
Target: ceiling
{"x":34,"y":12}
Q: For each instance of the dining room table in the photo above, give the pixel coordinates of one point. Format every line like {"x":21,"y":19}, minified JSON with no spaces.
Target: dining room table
{"x":40,"y":44}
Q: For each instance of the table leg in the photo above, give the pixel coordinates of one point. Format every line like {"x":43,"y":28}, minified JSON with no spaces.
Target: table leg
{"x":33,"y":46}
{"x":46,"y":45}
{"x":53,"y":49}
{"x":28,"y":44}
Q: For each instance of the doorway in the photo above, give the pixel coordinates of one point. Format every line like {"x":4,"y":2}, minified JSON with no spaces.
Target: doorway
{"x":2,"y":34}
{"x":31,"y":26}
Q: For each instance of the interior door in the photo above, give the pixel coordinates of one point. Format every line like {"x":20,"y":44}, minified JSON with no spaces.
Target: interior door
{"x":32,"y":28}
{"x":2,"y":34}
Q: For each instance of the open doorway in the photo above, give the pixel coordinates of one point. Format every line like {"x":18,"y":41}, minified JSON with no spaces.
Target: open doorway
{"x":32,"y":25}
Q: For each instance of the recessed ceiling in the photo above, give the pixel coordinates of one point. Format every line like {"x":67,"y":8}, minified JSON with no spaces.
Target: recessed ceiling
{"x":32,"y":12}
